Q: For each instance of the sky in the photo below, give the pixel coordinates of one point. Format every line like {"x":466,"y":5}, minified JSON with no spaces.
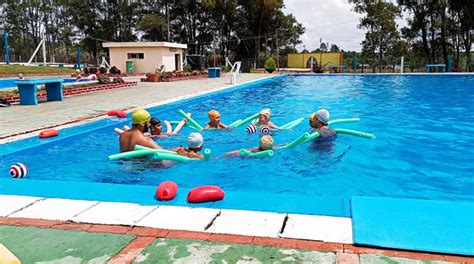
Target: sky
{"x":331,"y":20}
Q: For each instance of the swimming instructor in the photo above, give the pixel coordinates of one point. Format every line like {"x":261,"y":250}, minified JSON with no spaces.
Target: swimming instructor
{"x":135,"y":135}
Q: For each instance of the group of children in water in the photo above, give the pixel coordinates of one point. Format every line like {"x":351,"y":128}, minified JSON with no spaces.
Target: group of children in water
{"x":144,"y":128}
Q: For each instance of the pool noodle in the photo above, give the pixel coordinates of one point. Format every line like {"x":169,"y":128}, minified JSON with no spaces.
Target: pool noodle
{"x":312,"y":137}
{"x":292,"y":123}
{"x":187,"y":124}
{"x":343,"y":120}
{"x":132,"y":154}
{"x":354,"y":133}
{"x":235,"y":122}
{"x":246,"y":120}
{"x":190,"y":119}
{"x":207,"y":154}
{"x":296,"y":142}
{"x":140,"y":147}
{"x":260,"y":154}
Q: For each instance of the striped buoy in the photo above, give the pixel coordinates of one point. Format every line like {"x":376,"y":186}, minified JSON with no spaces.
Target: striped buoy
{"x":251,"y":129}
{"x":18,"y":170}
{"x":264,"y":130}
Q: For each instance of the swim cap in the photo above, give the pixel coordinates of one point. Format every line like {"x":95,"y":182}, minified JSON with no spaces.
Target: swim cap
{"x":140,"y":116}
{"x":266,"y":112}
{"x":266,"y":142}
{"x":154,"y":122}
{"x":322,"y":115}
{"x":78,"y":71}
{"x":20,"y":75}
{"x":213,"y":114}
{"x":195,"y":140}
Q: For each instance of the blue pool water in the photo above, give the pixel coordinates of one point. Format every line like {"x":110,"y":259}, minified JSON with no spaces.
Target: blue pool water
{"x":10,"y":83}
{"x":423,"y":148}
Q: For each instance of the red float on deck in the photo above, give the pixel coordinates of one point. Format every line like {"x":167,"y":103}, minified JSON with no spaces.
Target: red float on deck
{"x":205,"y":194}
{"x":112,"y":112}
{"x":166,"y":191}
{"x":48,"y":133}
{"x":122,"y":114}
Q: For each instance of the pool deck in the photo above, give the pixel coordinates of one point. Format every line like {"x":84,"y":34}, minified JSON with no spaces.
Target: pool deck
{"x":332,"y":235}
{"x":148,"y":223}
{"x":19,"y":119}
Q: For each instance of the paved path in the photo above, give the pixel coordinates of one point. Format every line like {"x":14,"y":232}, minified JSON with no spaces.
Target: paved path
{"x":18,"y":118}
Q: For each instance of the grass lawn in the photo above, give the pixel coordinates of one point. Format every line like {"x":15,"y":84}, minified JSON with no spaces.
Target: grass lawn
{"x":14,"y":70}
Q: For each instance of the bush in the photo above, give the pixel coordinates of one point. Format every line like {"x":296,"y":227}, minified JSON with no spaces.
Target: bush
{"x":103,"y":79}
{"x":187,"y":68}
{"x":270,"y":65}
{"x":103,"y":70}
{"x":226,"y":68}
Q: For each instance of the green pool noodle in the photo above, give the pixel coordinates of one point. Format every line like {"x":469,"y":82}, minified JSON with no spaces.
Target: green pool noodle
{"x":139,"y":147}
{"x":187,"y":124}
{"x":260,"y":154}
{"x":132,"y":154}
{"x":292,"y":123}
{"x":296,"y":142}
{"x":343,"y":120}
{"x":235,"y":122}
{"x":312,"y":137}
{"x":172,"y":157}
{"x":190,"y":119}
{"x":354,"y":133}
{"x":207,"y":154}
{"x":246,"y":120}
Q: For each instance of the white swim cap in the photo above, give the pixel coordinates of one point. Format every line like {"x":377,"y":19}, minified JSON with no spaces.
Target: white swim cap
{"x":323,"y":115}
{"x":195,"y":140}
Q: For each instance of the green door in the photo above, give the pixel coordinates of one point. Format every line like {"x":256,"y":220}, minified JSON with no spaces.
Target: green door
{"x":130,"y":66}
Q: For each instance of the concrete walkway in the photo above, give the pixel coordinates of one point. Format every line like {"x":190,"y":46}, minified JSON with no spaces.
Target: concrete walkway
{"x":18,"y":118}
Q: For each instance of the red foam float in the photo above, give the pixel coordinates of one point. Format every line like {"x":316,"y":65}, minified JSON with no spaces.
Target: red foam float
{"x":205,"y":194}
{"x":112,"y":112}
{"x":122,"y":114}
{"x":166,"y":191}
{"x":48,"y":133}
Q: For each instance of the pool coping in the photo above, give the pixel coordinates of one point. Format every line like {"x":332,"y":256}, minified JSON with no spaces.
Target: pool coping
{"x":145,"y":236}
{"x":170,"y":102}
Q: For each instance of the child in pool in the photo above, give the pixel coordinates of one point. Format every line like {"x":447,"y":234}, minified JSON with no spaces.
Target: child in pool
{"x":266,"y":143}
{"x":195,"y":144}
{"x":215,"y":121}
{"x":264,"y":119}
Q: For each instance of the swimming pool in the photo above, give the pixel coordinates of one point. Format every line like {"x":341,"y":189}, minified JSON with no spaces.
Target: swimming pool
{"x":422,"y":123}
{"x":10,"y":83}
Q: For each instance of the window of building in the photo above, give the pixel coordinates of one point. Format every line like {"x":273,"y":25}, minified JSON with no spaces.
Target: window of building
{"x":135,"y":56}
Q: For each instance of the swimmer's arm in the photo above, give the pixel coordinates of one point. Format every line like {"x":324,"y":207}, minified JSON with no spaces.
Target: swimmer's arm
{"x":273,"y":126}
{"x":222,"y":126}
{"x":197,"y":156}
{"x":206,"y":127}
{"x":149,"y":143}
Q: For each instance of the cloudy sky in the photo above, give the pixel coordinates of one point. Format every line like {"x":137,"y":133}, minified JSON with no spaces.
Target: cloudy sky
{"x":331,"y":20}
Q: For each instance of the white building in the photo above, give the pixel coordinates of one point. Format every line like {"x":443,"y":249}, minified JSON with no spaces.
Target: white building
{"x":146,"y":57}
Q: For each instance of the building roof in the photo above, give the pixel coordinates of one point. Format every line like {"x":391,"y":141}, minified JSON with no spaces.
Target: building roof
{"x":144,"y":45}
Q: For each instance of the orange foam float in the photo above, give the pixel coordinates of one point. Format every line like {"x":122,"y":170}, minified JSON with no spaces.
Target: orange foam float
{"x":48,"y":133}
{"x":166,"y":191}
{"x":207,"y":193}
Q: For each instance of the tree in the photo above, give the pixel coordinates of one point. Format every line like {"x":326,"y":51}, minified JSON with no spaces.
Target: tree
{"x":270,"y":65}
{"x":334,"y":48}
{"x":379,"y":20}
{"x":154,"y":27}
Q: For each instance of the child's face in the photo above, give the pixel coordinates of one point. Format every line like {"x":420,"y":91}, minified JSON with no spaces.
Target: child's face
{"x":156,"y":130}
{"x":216,"y":120}
{"x":262,"y":119}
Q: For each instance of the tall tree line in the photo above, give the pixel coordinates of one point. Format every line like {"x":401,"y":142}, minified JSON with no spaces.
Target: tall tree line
{"x":244,"y":28}
{"x":435,"y":30}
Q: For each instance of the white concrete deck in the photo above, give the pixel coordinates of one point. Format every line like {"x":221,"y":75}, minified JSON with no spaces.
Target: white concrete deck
{"x":237,"y":222}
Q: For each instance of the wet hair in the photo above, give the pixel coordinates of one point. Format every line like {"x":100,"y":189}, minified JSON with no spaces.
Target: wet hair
{"x":154,"y":122}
